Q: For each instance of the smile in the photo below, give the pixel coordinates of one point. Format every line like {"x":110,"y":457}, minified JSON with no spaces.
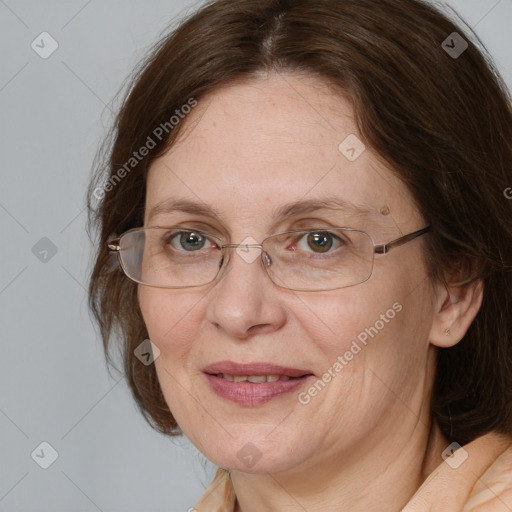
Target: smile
{"x":254,"y":384}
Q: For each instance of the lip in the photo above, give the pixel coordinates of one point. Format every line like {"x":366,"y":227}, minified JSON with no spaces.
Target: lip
{"x":250,"y":394}
{"x":233,"y":368}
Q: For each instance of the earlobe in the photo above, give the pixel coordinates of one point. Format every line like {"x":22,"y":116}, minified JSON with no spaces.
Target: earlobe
{"x":457,"y":308}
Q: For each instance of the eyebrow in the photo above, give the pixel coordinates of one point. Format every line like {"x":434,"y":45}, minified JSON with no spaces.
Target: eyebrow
{"x":281,"y":213}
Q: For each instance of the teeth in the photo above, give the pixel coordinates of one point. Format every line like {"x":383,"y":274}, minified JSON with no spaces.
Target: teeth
{"x":256,"y":379}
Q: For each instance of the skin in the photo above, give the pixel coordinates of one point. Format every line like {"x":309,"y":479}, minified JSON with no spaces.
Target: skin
{"x":366,"y":441}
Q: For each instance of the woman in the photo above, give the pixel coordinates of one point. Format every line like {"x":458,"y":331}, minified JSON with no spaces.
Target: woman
{"x":306,"y":200}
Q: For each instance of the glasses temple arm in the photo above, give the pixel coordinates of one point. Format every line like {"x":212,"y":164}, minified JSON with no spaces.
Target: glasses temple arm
{"x":385,"y":248}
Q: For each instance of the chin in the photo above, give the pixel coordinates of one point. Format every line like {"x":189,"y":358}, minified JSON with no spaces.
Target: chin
{"x":256,"y":453}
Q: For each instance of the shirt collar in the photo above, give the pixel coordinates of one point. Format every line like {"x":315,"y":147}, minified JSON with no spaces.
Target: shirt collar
{"x":219,"y":495}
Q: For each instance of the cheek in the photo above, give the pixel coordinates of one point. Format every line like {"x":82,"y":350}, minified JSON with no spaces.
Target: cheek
{"x":172,"y":320}
{"x":382,"y":325}
{"x":338,"y":319}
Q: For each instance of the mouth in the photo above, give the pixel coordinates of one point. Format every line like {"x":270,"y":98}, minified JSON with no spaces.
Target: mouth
{"x":256,"y":383}
{"x":255,"y":379}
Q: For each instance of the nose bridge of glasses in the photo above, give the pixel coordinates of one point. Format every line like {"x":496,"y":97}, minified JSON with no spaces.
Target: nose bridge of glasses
{"x":244,"y":251}
{"x":241,"y":245}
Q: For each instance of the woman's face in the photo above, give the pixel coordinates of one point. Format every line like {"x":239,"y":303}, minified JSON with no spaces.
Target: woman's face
{"x":249,"y":150}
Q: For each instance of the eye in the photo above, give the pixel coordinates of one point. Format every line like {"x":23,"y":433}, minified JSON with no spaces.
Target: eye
{"x":189,"y":241}
{"x":319,"y":241}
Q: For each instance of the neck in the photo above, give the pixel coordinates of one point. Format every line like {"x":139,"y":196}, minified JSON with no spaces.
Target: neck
{"x":382,"y":474}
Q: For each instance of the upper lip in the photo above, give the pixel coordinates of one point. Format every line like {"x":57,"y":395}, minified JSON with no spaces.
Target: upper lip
{"x":232,"y":368}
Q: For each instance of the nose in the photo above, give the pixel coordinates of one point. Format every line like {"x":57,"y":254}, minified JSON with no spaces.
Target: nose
{"x":244,"y":299}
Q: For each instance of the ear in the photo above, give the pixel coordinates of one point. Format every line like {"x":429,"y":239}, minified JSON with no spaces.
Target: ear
{"x":456,"y":308}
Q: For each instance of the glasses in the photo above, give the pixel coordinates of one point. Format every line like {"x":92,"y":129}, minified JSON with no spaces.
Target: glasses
{"x":307,"y":260}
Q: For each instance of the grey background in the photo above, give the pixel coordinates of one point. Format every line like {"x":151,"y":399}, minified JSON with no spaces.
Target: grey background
{"x":53,"y":383}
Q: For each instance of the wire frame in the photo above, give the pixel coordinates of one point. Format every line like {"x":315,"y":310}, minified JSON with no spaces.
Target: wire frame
{"x":155,"y":257}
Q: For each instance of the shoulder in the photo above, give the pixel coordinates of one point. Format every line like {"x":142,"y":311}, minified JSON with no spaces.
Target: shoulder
{"x":476,"y":478}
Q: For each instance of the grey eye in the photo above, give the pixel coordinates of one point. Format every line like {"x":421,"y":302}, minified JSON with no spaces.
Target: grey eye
{"x":189,"y":241}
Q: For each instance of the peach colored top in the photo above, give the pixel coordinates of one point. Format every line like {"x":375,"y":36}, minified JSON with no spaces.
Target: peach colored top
{"x":480,"y":482}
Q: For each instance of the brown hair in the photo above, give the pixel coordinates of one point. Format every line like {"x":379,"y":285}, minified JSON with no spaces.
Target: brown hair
{"x":442,"y":122}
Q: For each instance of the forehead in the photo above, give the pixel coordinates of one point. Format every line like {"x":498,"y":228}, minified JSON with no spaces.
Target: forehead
{"x":251,"y":147}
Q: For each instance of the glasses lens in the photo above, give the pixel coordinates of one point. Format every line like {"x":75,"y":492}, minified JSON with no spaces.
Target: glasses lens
{"x":320,"y":259}
{"x":310,"y":260}
{"x":170,"y":258}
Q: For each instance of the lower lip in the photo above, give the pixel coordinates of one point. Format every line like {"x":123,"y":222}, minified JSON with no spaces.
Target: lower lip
{"x":250,"y":393}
